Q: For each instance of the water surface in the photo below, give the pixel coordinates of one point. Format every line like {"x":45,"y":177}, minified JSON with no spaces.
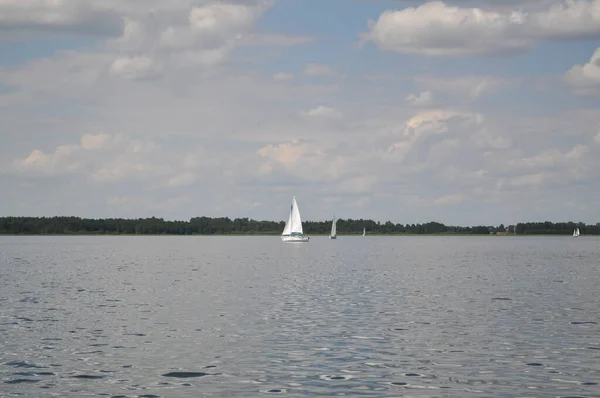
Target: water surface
{"x":252,"y":316}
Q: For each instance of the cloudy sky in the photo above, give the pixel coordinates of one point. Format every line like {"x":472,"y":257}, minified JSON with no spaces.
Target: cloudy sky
{"x":409,"y":111}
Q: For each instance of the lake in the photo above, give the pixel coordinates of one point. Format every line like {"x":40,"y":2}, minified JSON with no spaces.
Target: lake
{"x":167,"y":316}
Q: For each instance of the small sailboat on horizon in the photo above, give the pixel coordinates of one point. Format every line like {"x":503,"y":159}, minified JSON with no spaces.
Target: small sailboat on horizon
{"x":292,"y":232}
{"x":333,"y":234}
{"x":364,"y":231}
{"x":576,"y":232}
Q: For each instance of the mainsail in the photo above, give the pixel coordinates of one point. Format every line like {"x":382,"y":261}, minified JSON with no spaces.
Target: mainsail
{"x":288,"y":224}
{"x":293,"y":226}
{"x":333,"y":227}
{"x":296,"y":221}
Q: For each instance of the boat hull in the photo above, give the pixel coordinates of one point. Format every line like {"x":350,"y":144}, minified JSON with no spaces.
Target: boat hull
{"x":333,"y":237}
{"x":295,"y":238}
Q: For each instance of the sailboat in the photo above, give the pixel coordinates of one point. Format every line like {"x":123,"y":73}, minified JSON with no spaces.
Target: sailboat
{"x":292,"y":232}
{"x":333,"y":234}
{"x":576,"y":232}
{"x":364,"y":231}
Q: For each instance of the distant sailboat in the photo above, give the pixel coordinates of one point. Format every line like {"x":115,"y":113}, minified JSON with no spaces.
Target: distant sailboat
{"x":364,"y":231}
{"x":333,"y":234}
{"x":576,"y":232}
{"x":292,"y":232}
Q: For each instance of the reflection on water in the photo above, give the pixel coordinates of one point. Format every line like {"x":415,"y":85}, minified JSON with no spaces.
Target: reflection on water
{"x":252,"y":316}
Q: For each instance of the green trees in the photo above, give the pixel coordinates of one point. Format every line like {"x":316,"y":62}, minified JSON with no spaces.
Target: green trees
{"x":225,"y":226}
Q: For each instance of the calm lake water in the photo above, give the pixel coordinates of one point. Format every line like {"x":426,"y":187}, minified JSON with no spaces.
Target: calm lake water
{"x":252,"y":316}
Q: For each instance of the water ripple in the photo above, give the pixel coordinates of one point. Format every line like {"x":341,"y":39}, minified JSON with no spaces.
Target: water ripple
{"x":249,"y":316}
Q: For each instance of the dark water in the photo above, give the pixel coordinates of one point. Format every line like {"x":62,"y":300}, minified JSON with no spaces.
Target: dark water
{"x":251,"y":316}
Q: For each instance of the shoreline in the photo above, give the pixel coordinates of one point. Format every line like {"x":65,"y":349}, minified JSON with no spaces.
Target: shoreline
{"x":224,"y":226}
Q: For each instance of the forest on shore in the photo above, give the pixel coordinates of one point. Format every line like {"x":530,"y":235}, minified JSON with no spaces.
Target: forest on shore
{"x":245,"y":226}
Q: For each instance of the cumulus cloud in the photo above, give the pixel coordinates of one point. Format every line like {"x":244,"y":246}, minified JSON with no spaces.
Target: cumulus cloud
{"x":95,"y":141}
{"x":302,"y":159}
{"x":438,"y":29}
{"x":62,"y":161}
{"x":101,"y":157}
{"x":285,"y":153}
{"x":585,"y":79}
{"x":148,"y":39}
{"x":134,"y":67}
{"x":425,"y":98}
{"x":416,"y":140}
{"x":211,"y":26}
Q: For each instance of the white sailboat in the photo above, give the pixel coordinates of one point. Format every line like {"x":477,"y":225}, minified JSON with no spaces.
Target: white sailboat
{"x":364,"y":231}
{"x":333,"y":234}
{"x":576,"y":232}
{"x":292,"y":232}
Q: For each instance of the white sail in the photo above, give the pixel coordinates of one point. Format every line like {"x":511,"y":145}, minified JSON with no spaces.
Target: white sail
{"x":333,"y":228}
{"x":296,"y":221}
{"x":292,"y":232}
{"x":576,"y":232}
{"x":288,"y":224}
{"x":364,"y":231}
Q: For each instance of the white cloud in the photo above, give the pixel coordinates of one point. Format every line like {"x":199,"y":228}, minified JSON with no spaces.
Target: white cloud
{"x":63,"y":160}
{"x":286,"y":153}
{"x":425,"y":98}
{"x":134,"y":67}
{"x":568,"y":20}
{"x":435,"y":28}
{"x":306,"y":161}
{"x":418,"y":138}
{"x":150,"y":38}
{"x":95,"y":141}
{"x":208,"y":19}
{"x":439,"y":29}
{"x":101,"y":157}
{"x":585,"y":79}
{"x":319,"y":70}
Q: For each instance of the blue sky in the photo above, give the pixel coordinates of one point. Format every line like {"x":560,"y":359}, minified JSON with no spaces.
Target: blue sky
{"x":409,"y":111}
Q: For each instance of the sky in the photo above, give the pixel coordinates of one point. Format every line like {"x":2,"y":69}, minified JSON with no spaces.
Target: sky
{"x":463,"y":112}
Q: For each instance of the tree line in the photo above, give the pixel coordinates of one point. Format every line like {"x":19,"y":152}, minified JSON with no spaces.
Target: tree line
{"x":246,"y":226}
